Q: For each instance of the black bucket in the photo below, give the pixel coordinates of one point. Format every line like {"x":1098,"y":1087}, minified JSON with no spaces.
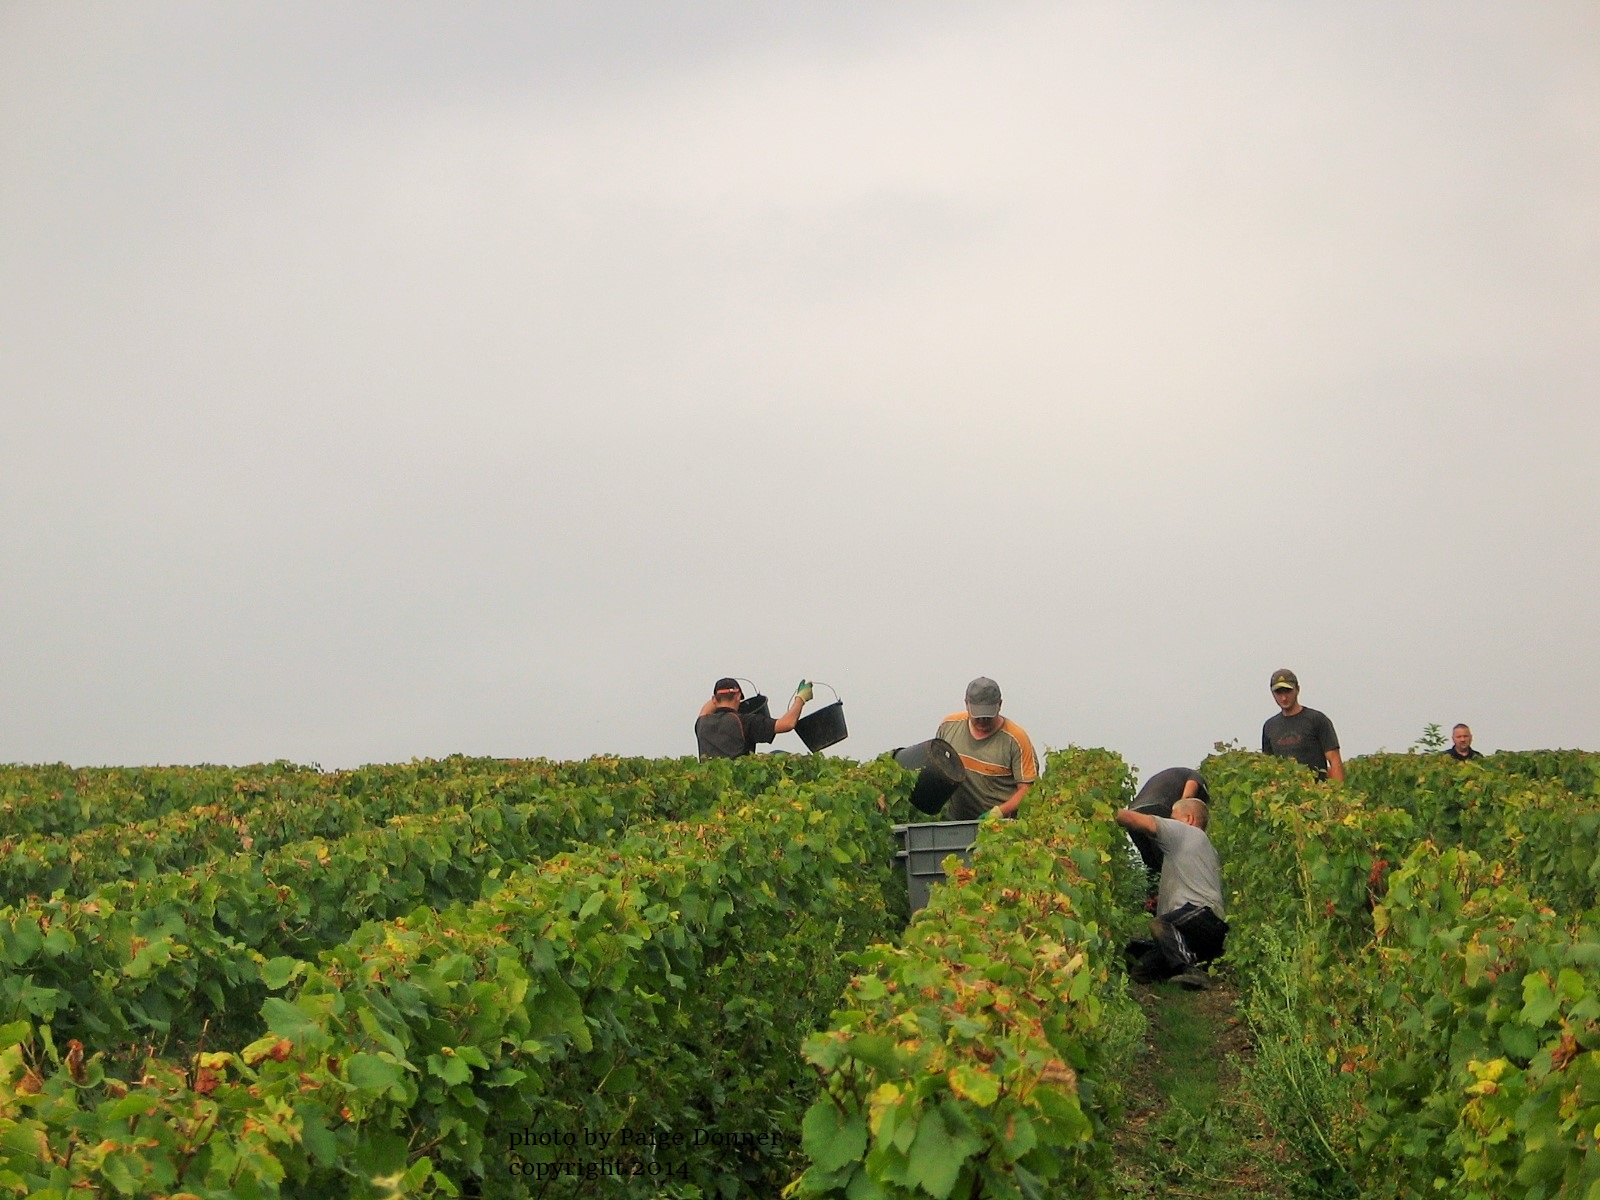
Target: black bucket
{"x":939,"y":772}
{"x":753,"y":706}
{"x":821,"y":729}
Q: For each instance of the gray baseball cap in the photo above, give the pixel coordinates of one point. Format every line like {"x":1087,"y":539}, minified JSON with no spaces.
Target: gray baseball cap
{"x":983,"y":697}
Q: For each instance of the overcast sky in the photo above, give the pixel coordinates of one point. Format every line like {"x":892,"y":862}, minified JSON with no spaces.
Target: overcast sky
{"x":384,"y":381}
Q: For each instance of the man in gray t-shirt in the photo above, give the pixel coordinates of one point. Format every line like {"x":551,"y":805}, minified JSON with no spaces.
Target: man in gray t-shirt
{"x":1159,"y":793}
{"x":1190,"y":872}
{"x":1189,"y":929}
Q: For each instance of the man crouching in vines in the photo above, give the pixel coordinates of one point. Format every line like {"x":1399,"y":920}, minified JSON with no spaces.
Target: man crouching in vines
{"x":1188,"y":930}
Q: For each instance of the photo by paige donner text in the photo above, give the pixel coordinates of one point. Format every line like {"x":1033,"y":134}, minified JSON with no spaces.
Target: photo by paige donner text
{"x":541,"y":1155}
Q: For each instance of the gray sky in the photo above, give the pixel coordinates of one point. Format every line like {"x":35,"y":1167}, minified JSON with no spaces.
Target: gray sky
{"x":383,"y":381}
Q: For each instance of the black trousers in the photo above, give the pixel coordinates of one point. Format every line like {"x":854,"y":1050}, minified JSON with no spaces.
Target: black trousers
{"x":1180,"y":939}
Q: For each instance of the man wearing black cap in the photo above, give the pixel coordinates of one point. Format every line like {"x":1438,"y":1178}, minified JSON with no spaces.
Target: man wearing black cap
{"x":996,"y":751}
{"x":722,"y":731}
{"x":1301,"y":733}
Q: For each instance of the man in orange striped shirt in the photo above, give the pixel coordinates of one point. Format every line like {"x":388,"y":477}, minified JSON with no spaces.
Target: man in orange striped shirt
{"x":1001,"y":765}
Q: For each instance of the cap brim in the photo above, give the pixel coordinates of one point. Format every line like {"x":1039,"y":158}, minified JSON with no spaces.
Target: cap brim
{"x":983,"y":710}
{"x":1286,"y":687}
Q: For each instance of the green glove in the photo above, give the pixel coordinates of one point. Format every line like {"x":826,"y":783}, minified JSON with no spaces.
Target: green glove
{"x":804,"y":691}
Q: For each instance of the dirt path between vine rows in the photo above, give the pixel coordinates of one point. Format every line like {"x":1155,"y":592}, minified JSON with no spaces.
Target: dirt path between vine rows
{"x":1190,"y":1128}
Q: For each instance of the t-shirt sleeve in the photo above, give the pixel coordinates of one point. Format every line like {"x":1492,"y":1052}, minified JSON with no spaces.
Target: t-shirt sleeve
{"x":760,"y":729}
{"x":1024,"y":762}
{"x":1325,"y":733}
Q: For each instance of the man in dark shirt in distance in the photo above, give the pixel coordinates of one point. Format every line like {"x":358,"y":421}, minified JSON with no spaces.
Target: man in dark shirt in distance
{"x":1301,"y":733}
{"x":722,"y":731}
{"x":1461,"y":744}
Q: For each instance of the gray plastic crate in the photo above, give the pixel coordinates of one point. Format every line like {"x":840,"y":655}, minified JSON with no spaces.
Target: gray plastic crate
{"x":924,"y":846}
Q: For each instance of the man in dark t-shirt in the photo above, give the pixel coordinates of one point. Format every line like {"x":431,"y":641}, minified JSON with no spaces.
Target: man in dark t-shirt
{"x":1461,"y":745}
{"x":722,"y":731}
{"x":1301,"y":733}
{"x":1165,"y":788}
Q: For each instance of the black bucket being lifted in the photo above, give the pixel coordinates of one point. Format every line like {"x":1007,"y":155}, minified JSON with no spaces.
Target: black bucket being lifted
{"x":821,"y":729}
{"x":939,"y":772}
{"x":753,"y":706}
